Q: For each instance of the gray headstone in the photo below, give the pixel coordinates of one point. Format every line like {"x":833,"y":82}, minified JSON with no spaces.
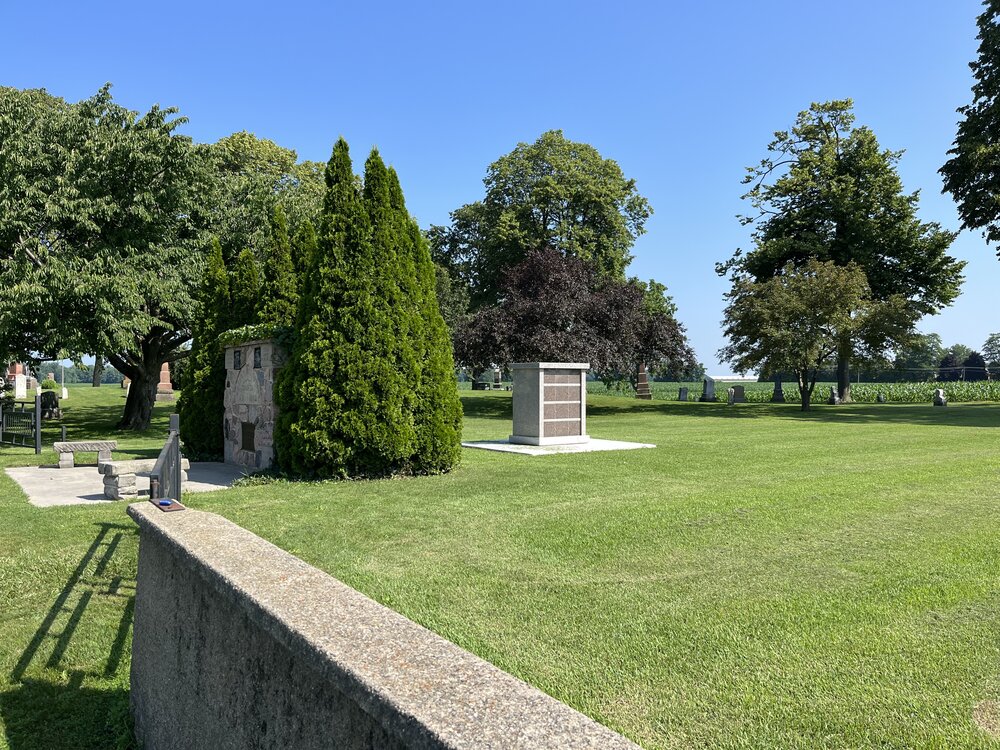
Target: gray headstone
{"x":834,"y":398}
{"x":778,"y":397}
{"x":708,"y":390}
{"x":739,"y":394}
{"x":880,"y":398}
{"x":682,"y":394}
{"x":939,"y":398}
{"x":732,"y":396}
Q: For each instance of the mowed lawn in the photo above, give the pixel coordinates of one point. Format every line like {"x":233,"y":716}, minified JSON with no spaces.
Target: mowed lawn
{"x":760,"y":579}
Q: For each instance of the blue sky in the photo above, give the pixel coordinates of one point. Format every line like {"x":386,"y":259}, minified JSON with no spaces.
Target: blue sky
{"x":683,"y":95}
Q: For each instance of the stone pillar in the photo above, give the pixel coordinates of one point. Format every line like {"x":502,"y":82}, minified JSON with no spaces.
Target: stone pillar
{"x":642,"y":384}
{"x":165,"y":390}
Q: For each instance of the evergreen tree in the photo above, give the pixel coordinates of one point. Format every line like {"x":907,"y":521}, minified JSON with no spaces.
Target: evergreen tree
{"x":280,"y":294}
{"x":437,"y":409}
{"x":974,"y":367}
{"x":303,"y":249}
{"x":244,"y":290}
{"x":201,"y":401}
{"x":342,"y":397}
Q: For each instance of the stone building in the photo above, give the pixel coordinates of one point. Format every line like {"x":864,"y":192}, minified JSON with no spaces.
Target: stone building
{"x":250,"y":413}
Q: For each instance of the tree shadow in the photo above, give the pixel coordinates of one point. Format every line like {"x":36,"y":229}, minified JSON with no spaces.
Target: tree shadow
{"x":50,"y":706}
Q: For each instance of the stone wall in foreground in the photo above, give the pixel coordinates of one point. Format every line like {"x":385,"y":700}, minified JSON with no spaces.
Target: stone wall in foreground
{"x":238,"y":644}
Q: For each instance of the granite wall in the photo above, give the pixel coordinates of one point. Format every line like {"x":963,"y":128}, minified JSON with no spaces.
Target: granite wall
{"x":238,"y":644}
{"x":250,"y":413}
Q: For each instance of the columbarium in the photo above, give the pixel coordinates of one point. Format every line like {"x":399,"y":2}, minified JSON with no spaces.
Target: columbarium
{"x":550,"y":403}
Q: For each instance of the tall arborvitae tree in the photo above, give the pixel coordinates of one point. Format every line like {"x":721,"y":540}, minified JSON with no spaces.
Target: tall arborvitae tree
{"x":304,"y":246}
{"x":201,"y":401}
{"x":280,"y":294}
{"x":244,"y":290}
{"x":438,"y":410}
{"x":342,"y":397}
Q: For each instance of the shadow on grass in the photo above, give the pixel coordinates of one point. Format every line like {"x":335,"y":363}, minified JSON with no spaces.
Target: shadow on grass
{"x":49,"y":706}
{"x":960,"y":415}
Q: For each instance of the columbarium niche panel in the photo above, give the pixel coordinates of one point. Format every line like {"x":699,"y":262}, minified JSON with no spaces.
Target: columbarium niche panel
{"x":550,"y":403}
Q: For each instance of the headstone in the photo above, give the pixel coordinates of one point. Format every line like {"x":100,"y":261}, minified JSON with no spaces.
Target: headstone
{"x":939,"y":398}
{"x":708,"y":390}
{"x":51,"y":376}
{"x":165,"y":389}
{"x":497,"y":382}
{"x":64,"y":393}
{"x":20,"y":386}
{"x":739,"y":394}
{"x":550,"y":403}
{"x":732,"y":396}
{"x":682,"y":394}
{"x":880,"y":398}
{"x":834,"y":398}
{"x":778,"y":397}
{"x":642,"y":384}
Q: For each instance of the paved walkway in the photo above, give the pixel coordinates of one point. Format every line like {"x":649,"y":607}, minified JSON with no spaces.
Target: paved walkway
{"x":47,"y":486}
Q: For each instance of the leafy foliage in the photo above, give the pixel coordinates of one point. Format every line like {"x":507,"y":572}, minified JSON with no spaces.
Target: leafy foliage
{"x":360,"y":395}
{"x":558,"y":308}
{"x":972,"y":174}
{"x":974,"y":367}
{"x":102,"y":217}
{"x":795,"y":321}
{"x":279,"y":295}
{"x":828,"y":191}
{"x":552,"y":193}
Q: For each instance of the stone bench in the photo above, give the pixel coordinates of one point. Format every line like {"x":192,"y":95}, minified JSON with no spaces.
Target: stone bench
{"x":120,"y":476}
{"x":102,"y":448}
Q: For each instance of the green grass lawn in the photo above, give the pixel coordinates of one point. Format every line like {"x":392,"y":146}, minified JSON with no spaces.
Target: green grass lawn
{"x":762,"y":578}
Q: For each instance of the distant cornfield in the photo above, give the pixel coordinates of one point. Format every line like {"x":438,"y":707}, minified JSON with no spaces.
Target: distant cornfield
{"x":865,"y":393}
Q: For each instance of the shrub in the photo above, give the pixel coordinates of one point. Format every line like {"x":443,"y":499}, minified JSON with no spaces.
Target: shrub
{"x":49,"y":385}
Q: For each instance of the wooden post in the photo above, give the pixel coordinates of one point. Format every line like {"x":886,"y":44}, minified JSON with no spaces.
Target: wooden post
{"x":38,"y":423}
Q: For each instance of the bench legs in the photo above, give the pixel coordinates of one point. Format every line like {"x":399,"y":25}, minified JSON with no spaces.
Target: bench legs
{"x":65,"y":460}
{"x":121,"y":487}
{"x":102,"y":458}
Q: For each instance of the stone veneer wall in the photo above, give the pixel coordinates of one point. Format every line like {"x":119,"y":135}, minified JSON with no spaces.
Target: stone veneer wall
{"x":238,"y":644}
{"x":250,"y":413}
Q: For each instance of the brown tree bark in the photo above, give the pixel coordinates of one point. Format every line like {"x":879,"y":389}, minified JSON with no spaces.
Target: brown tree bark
{"x":142,"y":367}
{"x":844,"y":372}
{"x":98,"y":371}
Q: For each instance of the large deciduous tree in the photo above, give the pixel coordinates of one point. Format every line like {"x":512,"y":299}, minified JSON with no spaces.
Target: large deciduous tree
{"x":101,"y":235}
{"x":828,"y":191}
{"x":972,"y":174}
{"x":552,"y":193}
{"x":558,"y":308}
{"x":794,"y":321}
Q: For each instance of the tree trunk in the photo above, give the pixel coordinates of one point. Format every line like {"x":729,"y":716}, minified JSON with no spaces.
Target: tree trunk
{"x":844,"y":371}
{"x":98,"y":371}
{"x":141,"y":396}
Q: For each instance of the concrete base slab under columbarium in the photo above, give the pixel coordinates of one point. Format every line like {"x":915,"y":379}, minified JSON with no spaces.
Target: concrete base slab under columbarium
{"x":593,"y":445}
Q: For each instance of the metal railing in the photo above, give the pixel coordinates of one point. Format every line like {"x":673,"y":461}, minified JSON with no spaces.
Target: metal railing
{"x":21,"y":426}
{"x":165,"y":479}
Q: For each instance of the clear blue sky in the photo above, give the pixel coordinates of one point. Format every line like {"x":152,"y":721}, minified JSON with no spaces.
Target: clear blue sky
{"x":682,"y":95}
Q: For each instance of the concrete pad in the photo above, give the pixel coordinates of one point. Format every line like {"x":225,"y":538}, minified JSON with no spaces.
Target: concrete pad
{"x":505,"y":446}
{"x":48,"y":486}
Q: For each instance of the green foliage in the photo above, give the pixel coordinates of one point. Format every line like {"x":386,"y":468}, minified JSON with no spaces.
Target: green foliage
{"x":991,"y":351}
{"x":279,"y":295}
{"x":828,"y":191}
{"x":552,"y":193}
{"x":49,"y":385}
{"x":795,"y":321}
{"x":201,"y":402}
{"x":102,"y":218}
{"x":244,"y":289}
{"x":972,"y":174}
{"x":355,"y":395}
{"x":304,"y":246}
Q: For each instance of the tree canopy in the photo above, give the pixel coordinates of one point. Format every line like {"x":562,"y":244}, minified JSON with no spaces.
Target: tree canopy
{"x":559,"y":308}
{"x":828,"y":191}
{"x":794,"y":321}
{"x":553,"y":193}
{"x":102,"y":218}
{"x":972,"y":174}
